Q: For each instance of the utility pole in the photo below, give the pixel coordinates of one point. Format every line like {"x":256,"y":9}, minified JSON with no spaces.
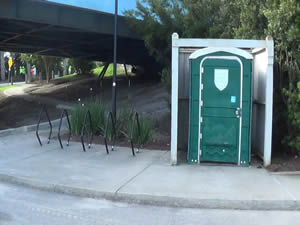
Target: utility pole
{"x":114,"y":84}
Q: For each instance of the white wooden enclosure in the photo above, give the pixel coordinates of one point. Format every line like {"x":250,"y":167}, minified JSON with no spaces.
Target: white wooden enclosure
{"x":263,"y":59}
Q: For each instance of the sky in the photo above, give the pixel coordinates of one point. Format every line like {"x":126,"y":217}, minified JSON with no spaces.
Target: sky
{"x":102,"y":5}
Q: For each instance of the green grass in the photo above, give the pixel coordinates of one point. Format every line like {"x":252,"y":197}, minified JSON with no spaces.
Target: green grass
{"x":67,"y":76}
{"x":96,"y":72}
{"x":109,"y":71}
{"x":3,"y":88}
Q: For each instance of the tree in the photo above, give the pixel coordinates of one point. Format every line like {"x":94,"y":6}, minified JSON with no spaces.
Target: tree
{"x":82,"y":66}
{"x":252,"y":20}
{"x":43,"y":64}
{"x":49,"y":62}
{"x":160,"y":18}
{"x":156,"y":20}
{"x":284,"y":25}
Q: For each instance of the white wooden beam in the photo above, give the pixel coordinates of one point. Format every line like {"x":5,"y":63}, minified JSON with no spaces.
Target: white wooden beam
{"x":269,"y":103}
{"x":174,"y":104}
{"x":237,"y":43}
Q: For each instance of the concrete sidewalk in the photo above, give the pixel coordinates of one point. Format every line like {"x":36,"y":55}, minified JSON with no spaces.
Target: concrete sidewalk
{"x":147,"y":178}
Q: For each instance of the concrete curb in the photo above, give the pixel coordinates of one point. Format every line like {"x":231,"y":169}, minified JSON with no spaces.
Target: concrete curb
{"x":163,"y":201}
{"x":286,"y":173}
{"x":30,"y":128}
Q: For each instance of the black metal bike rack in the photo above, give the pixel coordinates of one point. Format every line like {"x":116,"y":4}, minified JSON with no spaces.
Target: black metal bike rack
{"x":135,"y":119}
{"x":83,"y":128}
{"x":43,"y":110}
{"x":111,"y":118}
{"x":64,"y":113}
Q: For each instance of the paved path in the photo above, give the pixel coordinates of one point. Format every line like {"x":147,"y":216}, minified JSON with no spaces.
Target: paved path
{"x":17,"y":90}
{"x":24,"y":206}
{"x":147,"y":178}
{"x":6,"y":83}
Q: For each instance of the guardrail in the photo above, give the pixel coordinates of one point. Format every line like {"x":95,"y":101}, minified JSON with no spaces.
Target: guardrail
{"x":83,"y":128}
{"x":110,"y":118}
{"x":64,"y":113}
{"x":43,"y":110}
{"x":135,"y":119}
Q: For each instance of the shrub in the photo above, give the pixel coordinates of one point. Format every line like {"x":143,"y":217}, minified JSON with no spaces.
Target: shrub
{"x":146,"y":126}
{"x":77,"y":117}
{"x":97,"y":110}
{"x":99,"y":116}
{"x":292,"y":139}
{"x":122,"y":123}
{"x":166,"y":79}
{"x":82,"y":66}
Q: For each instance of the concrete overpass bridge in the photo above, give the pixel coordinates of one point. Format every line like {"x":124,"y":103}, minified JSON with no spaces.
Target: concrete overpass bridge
{"x":47,"y":28}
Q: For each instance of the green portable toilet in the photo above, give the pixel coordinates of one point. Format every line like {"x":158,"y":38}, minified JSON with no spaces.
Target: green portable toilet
{"x":220,"y":106}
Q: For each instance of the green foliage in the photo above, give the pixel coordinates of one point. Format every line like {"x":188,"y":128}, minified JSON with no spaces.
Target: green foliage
{"x":72,"y":76}
{"x":146,"y":126}
{"x":252,"y":20}
{"x":122,"y":122}
{"x":156,"y":20}
{"x":82,"y":66}
{"x":110,"y":70}
{"x":99,"y":117}
{"x":77,"y":117}
{"x":3,"y":88}
{"x":44,"y":64}
{"x":97,"y":110}
{"x":166,"y":79}
{"x":160,"y":19}
{"x":284,"y":25}
{"x":292,"y":140}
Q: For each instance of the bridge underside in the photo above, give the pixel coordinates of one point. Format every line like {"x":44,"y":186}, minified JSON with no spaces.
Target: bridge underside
{"x":40,"y":27}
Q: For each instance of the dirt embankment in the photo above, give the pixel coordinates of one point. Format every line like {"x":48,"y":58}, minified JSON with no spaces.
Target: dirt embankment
{"x":17,"y":112}
{"x":147,"y":96}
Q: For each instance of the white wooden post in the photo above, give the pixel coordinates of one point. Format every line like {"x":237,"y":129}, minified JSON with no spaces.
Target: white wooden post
{"x":174,"y":103}
{"x":269,"y":103}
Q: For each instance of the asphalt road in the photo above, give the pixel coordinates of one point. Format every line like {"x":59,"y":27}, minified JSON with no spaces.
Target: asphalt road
{"x":25,"y":206}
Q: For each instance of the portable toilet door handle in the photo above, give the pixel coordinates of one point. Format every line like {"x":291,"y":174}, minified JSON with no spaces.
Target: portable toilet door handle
{"x":238,"y":112}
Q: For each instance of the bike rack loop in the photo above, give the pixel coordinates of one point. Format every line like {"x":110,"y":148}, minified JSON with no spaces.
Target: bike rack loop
{"x":87,"y":115}
{"x":135,"y":119}
{"x":43,"y":110}
{"x":110,"y":117}
{"x":64,"y":113}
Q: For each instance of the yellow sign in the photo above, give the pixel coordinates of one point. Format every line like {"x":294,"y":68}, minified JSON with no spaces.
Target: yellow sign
{"x":10,"y":62}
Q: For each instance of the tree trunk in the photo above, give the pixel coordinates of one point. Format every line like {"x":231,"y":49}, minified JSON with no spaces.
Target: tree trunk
{"x":65,"y":71}
{"x":28,"y":73}
{"x":47,"y":70}
{"x":2,"y":65}
{"x":40,"y":77}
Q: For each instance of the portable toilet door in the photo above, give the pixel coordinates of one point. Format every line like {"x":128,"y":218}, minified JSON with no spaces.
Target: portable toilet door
{"x":220,"y":106}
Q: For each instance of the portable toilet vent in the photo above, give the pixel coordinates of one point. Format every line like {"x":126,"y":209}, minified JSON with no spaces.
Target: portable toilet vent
{"x":220,"y":106}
